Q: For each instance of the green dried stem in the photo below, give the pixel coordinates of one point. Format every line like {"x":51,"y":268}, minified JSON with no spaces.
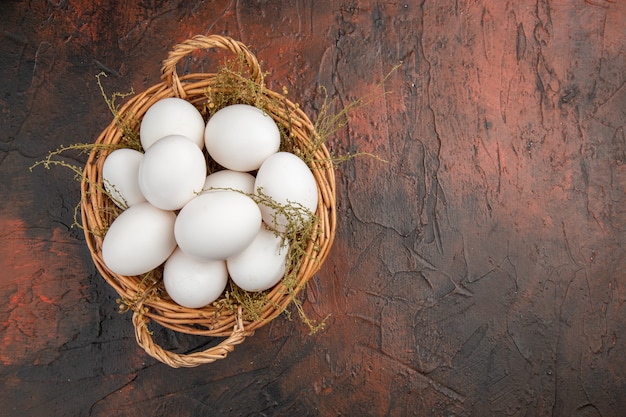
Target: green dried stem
{"x":330,"y":122}
{"x":232,"y":85}
{"x":148,"y":287}
{"x":54,"y":159}
{"x":130,"y":139}
{"x":126,"y":123}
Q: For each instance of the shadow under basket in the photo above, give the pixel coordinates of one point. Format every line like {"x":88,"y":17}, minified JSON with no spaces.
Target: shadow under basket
{"x":145,"y":295}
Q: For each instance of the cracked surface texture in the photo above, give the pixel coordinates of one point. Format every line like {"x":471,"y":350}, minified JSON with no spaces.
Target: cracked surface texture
{"x":479,"y":271}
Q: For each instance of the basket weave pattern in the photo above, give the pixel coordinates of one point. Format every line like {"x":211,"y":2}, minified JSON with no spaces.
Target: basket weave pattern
{"x":145,"y":294}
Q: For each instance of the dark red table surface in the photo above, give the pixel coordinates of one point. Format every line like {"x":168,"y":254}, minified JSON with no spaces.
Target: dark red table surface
{"x":480,"y":271}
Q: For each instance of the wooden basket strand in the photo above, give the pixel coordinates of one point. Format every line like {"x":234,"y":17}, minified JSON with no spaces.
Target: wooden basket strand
{"x":145,"y":298}
{"x":176,"y":360}
{"x":200,"y":42}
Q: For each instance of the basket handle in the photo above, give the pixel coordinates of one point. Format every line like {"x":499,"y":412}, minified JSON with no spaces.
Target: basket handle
{"x":199,"y":42}
{"x":175,"y":360}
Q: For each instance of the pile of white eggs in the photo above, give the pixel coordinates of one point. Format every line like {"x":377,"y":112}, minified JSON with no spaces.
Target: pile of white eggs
{"x":204,"y":228}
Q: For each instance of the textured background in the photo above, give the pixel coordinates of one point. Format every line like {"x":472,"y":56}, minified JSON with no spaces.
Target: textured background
{"x":480,"y":271}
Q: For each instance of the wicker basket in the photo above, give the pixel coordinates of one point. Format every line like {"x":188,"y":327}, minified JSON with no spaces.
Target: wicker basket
{"x":149,"y":300}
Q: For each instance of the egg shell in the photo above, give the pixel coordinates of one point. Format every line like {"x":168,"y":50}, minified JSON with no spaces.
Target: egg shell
{"x":217,"y":225}
{"x":193,"y":282}
{"x":120,"y":173}
{"x":288,"y":181}
{"x":171,"y":116}
{"x":240,"y":137}
{"x":140,"y":239}
{"x":229,"y":179}
{"x":261,"y":264}
{"x":172,"y":172}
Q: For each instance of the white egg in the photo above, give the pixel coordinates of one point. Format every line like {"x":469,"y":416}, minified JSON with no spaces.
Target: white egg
{"x":172,"y":172}
{"x":120,"y":177}
{"x":288,"y":181}
{"x":229,"y":179}
{"x":193,"y":282}
{"x":140,"y":239}
{"x":171,"y":116}
{"x":240,"y":137}
{"x":261,"y":264}
{"x":217,"y":225}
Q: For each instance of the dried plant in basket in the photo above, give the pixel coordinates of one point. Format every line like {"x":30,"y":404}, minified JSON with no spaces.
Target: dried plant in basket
{"x":144,"y":295}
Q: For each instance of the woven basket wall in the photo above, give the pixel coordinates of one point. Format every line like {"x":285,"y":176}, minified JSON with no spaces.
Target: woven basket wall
{"x":145,"y":294}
